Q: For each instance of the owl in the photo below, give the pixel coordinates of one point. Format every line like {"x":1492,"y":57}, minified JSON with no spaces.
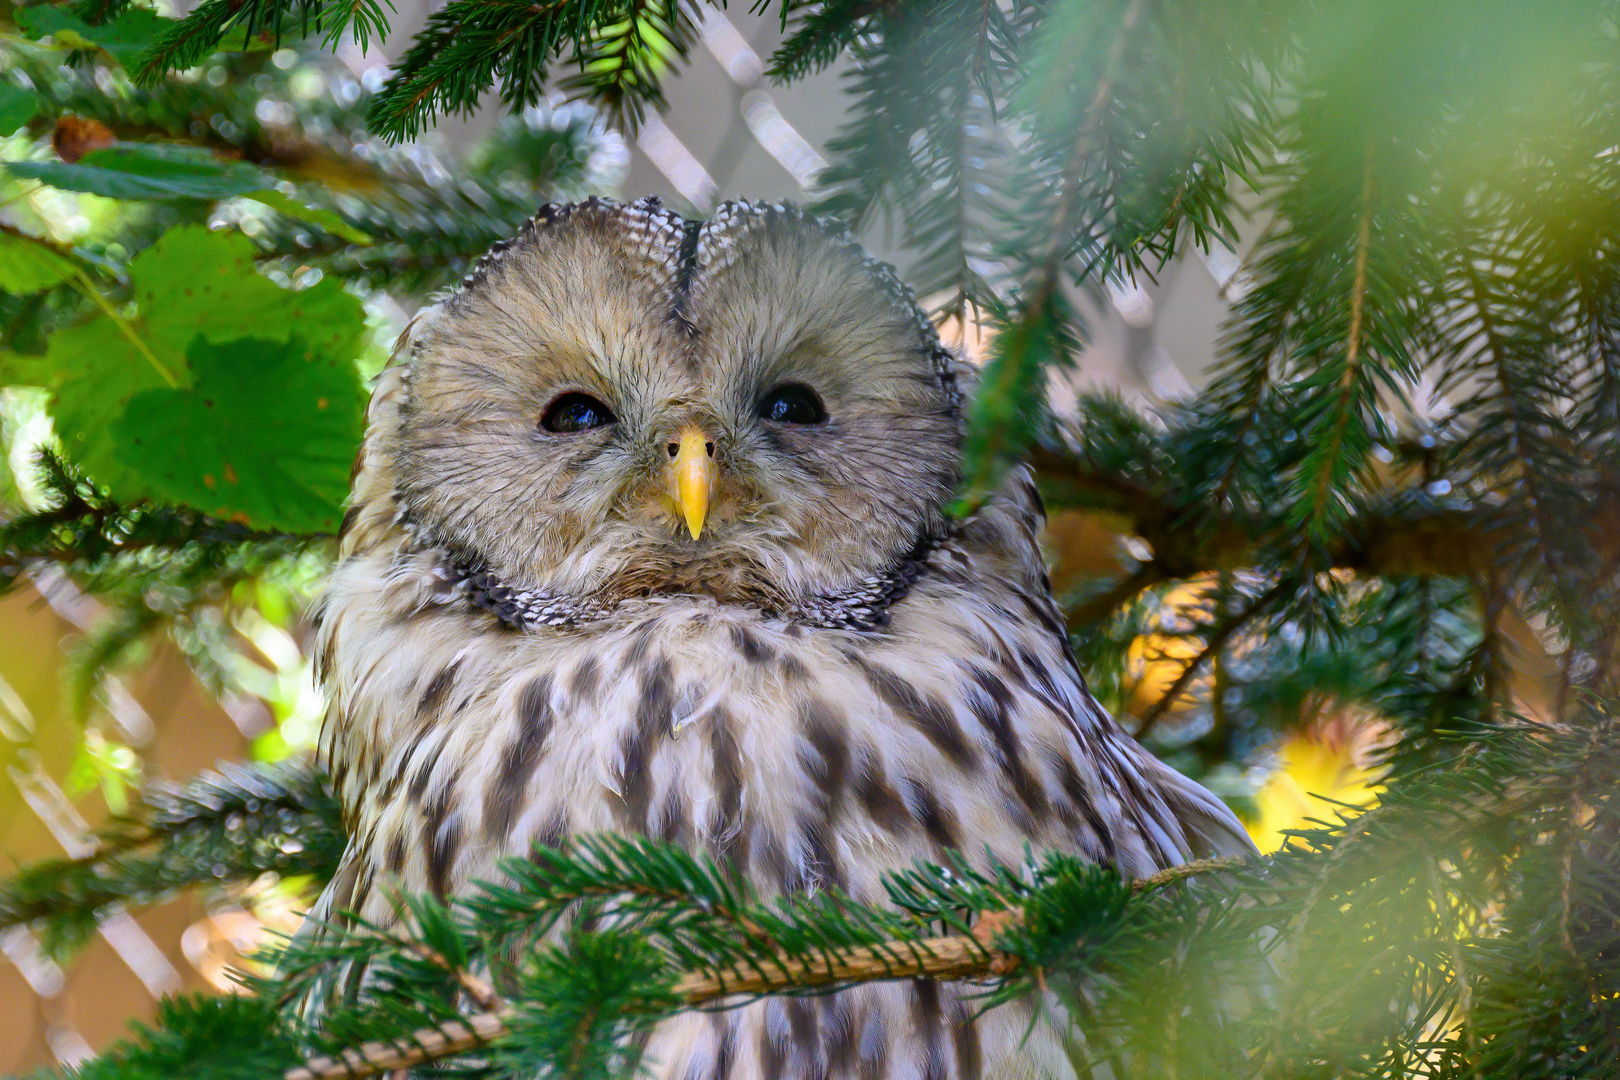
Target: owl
{"x":649,"y":535}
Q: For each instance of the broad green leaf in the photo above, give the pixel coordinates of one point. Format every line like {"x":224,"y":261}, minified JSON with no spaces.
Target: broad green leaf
{"x":190,"y":283}
{"x":17,"y":107}
{"x":94,"y":370}
{"x":23,"y":369}
{"x":125,"y":37}
{"x":54,"y":22}
{"x":27,"y":265}
{"x":147,"y":171}
{"x":315,"y":215}
{"x":264,"y":433}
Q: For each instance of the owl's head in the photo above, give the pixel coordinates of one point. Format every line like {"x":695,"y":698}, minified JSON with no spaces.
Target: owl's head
{"x":622,"y":403}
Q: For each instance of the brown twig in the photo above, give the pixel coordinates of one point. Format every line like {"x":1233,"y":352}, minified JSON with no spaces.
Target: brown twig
{"x":478,"y":989}
{"x":1115,"y":596}
{"x":423,"y":1045}
{"x":1187,"y":870}
{"x":1220,"y":634}
{"x":953,"y":957}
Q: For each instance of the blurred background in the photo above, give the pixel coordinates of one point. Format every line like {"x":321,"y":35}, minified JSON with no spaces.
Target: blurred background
{"x":74,"y":750}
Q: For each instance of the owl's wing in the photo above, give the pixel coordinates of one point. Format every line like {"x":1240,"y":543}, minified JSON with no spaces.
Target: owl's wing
{"x":327,"y":912}
{"x":336,"y":898}
{"x":1212,"y":830}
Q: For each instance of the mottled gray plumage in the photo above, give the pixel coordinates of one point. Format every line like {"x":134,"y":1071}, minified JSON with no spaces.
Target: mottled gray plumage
{"x":522,"y":642}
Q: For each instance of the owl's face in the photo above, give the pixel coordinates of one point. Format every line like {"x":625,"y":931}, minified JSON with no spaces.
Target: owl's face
{"x":620,"y":403}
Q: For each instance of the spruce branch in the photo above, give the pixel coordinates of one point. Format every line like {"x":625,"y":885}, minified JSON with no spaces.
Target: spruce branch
{"x":230,"y":825}
{"x":1329,"y":457}
{"x":460,"y":52}
{"x":1215,"y":636}
{"x":952,"y":957}
{"x":427,"y":214}
{"x":1042,"y":929}
{"x":1459,"y":963}
{"x":971,"y":956}
{"x":623,"y":62}
{"x":1356,"y":851}
{"x":1534,"y":438}
{"x":1040,"y":333}
{"x":81,"y":525}
{"x":1399,"y":539}
{"x":820,"y":32}
{"x":192,"y":39}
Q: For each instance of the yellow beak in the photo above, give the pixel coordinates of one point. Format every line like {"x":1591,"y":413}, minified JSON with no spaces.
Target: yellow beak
{"x":693,"y":475}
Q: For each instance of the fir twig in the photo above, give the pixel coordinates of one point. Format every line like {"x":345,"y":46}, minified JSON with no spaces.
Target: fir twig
{"x":1040,"y":334}
{"x":1215,"y":639}
{"x":277,"y":818}
{"x":952,"y":957}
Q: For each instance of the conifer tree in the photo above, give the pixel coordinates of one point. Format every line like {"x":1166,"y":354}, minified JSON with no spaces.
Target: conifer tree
{"x":1400,"y":485}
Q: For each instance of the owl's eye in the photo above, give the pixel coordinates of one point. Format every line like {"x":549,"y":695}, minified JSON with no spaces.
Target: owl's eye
{"x":575,"y":412}
{"x":792,"y":403}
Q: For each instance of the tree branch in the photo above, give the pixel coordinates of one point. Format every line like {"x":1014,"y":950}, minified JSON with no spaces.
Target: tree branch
{"x":1323,"y":483}
{"x":1437,"y":541}
{"x":1220,"y":633}
{"x":950,"y":957}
